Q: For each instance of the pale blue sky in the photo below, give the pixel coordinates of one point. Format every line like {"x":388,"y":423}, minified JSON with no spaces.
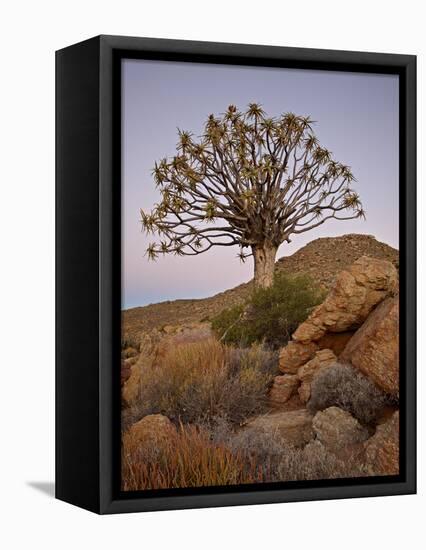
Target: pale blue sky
{"x":357,"y":119}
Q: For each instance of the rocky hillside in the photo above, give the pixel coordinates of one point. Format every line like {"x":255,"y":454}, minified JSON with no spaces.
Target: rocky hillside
{"x":322,"y":259}
{"x":327,"y":408}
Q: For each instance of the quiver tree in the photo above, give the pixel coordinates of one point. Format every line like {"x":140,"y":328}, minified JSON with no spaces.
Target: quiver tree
{"x":249,"y":181}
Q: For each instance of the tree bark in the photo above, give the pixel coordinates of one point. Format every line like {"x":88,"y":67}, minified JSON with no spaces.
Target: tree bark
{"x":264,"y":265}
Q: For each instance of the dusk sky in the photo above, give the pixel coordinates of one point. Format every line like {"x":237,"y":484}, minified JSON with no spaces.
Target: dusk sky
{"x":357,"y":119}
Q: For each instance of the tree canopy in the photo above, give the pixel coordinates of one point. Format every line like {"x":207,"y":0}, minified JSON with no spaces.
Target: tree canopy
{"x":249,"y":180}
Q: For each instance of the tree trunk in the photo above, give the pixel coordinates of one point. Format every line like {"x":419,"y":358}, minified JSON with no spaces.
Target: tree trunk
{"x":264,"y":264}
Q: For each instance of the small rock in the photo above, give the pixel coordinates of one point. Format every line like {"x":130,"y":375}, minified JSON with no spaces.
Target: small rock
{"x":295,"y":354}
{"x":322,"y":358}
{"x":126,"y":368}
{"x":154,"y":429}
{"x":283,"y":388}
{"x":124,"y":373}
{"x":292,"y":427}
{"x":337,"y":429}
{"x":129,"y":352}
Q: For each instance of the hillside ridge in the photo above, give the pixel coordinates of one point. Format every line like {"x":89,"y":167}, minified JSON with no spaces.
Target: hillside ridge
{"x":322,"y":259}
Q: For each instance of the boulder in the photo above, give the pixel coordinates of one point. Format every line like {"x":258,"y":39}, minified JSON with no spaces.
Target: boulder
{"x":382,"y":449}
{"x":290,"y":427}
{"x":374,"y":349}
{"x":337,"y":429}
{"x":295,"y":354}
{"x":154,"y":429}
{"x":283,"y":388}
{"x":354,"y":295}
{"x":305,"y":374}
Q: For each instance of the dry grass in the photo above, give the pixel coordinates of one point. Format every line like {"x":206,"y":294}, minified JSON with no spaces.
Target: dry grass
{"x":189,"y":459}
{"x":200,"y":457}
{"x":316,"y":462}
{"x":201,"y":381}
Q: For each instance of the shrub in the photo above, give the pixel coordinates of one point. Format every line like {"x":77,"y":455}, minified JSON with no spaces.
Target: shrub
{"x":256,"y":357}
{"x":314,"y":461}
{"x":345,"y":387}
{"x":198,"y":382}
{"x":229,"y":325}
{"x":129,"y":342}
{"x":271,"y":315}
{"x":283,"y":462}
{"x":188,"y":460}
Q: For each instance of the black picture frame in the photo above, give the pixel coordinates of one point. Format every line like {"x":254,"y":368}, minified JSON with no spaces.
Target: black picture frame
{"x":88,"y":278}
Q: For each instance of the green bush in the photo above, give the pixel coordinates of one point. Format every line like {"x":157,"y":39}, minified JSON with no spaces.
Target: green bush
{"x":271,"y":315}
{"x":229,"y":326}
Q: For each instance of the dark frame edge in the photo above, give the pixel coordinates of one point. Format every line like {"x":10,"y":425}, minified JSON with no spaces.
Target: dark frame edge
{"x":410,"y":286}
{"x":106,"y":500}
{"x":404,"y":65}
{"x":256,"y":52}
{"x":275,"y":496}
{"x":77,"y":286}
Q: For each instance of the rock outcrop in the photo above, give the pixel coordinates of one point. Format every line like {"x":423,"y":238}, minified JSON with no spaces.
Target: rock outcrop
{"x":332,"y":324}
{"x":374,"y":349}
{"x":354,"y":295}
{"x":357,"y":323}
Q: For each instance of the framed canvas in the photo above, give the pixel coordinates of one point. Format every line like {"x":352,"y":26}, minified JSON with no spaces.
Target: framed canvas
{"x":236,"y":292}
